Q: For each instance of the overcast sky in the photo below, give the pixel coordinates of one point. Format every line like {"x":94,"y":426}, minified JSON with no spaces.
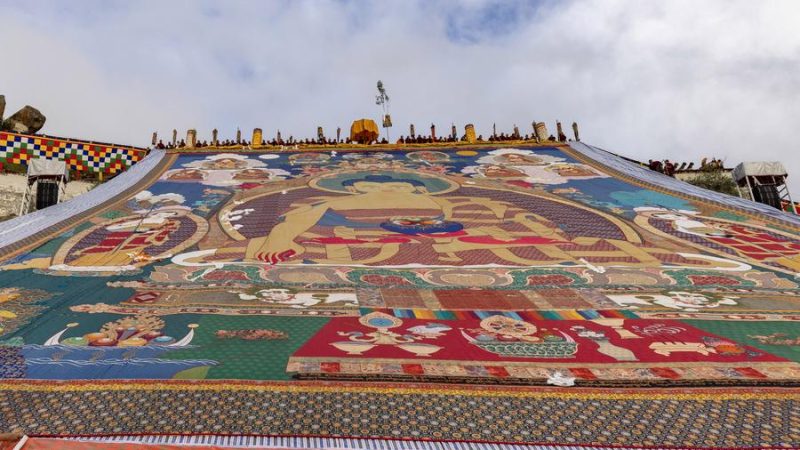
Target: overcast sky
{"x":646,"y":79}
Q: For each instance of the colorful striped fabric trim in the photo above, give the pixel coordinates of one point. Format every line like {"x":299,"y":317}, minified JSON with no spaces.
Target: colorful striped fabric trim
{"x":561,"y":314}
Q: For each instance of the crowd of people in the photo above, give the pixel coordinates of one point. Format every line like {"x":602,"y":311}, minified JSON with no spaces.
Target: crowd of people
{"x":200,"y":144}
{"x":321,"y":140}
{"x":502,"y":137}
{"x":669,"y":168}
{"x":666,"y":167}
{"x":245,"y":143}
{"x":419,"y":139}
{"x":714,"y":164}
{"x":517,"y":137}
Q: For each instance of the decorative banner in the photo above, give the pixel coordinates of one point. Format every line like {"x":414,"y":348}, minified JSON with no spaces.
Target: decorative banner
{"x":80,"y":156}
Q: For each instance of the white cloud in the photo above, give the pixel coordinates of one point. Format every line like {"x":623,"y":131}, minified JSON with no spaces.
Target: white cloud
{"x":678,"y":79}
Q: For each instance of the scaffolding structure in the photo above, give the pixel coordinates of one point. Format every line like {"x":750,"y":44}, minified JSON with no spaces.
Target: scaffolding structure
{"x":47,"y":183}
{"x":765,"y":182}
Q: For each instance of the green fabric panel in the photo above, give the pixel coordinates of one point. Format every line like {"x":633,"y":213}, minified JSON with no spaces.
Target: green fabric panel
{"x":245,"y":359}
{"x":740,"y":331}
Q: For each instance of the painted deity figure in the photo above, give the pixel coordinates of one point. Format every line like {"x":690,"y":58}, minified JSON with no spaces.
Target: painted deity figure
{"x":125,"y":241}
{"x":517,"y":159}
{"x":497,"y":171}
{"x":429,"y":157}
{"x":187,"y":174}
{"x":225,"y":164}
{"x":384,"y":212}
{"x":252,"y":174}
{"x":570,"y":170}
{"x":124,"y":244}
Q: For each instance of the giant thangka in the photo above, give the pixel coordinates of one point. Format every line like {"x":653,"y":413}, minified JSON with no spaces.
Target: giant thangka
{"x":493,"y":295}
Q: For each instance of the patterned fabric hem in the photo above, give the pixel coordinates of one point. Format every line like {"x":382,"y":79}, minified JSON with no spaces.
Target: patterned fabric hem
{"x":300,"y":442}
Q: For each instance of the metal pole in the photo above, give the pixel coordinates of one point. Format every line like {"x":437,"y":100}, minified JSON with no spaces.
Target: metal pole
{"x":789,"y":194}
{"x":749,"y":187}
{"x":388,"y":138}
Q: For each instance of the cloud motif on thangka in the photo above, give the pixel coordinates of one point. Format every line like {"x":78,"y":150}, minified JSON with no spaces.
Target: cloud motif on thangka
{"x":225,"y":169}
{"x":529,"y":166}
{"x":152,"y":199}
{"x":225,"y":161}
{"x":147,"y":203}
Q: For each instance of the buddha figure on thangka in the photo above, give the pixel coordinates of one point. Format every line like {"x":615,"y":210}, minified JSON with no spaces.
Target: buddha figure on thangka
{"x":399,"y":218}
{"x":376,"y":267}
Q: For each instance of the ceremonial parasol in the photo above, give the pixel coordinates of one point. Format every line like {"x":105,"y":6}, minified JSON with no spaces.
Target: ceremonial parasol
{"x":364,"y":131}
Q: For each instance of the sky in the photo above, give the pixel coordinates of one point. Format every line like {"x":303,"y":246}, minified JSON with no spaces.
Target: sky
{"x":679,"y":79}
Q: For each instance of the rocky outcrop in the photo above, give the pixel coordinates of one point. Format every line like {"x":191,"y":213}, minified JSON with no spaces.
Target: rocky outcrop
{"x":27,"y":120}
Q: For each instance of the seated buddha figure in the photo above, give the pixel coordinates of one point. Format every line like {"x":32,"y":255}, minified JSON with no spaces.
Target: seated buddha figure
{"x":517,"y":159}
{"x":224,"y":164}
{"x":393,"y":218}
{"x":572,"y":170}
{"x":252,"y":174}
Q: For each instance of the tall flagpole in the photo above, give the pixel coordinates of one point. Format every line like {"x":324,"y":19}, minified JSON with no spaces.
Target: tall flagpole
{"x":382,"y":99}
